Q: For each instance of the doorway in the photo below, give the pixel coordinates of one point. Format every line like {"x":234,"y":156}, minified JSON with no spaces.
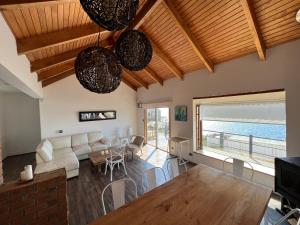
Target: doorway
{"x":157,"y":127}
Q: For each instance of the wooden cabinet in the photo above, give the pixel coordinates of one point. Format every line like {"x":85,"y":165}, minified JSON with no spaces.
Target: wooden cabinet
{"x":41,"y":201}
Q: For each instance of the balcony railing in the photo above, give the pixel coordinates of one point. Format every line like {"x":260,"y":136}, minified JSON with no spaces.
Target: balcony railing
{"x":248,"y":145}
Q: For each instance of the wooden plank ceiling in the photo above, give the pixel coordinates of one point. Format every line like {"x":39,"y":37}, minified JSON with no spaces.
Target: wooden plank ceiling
{"x":186,"y":35}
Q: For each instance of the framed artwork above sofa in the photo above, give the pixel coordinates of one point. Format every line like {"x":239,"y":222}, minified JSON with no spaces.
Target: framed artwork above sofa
{"x":97,"y":115}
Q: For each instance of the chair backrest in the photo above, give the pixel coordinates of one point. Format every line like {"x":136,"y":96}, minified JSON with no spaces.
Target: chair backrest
{"x":130,"y":132}
{"x":173,"y":167}
{"x":238,"y":167}
{"x":124,"y":142}
{"x":293,"y":211}
{"x":118,"y":192}
{"x":117,"y":151}
{"x":151,"y":178}
{"x":138,"y":140}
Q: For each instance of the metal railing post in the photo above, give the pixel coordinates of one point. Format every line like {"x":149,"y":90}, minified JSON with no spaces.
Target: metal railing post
{"x":250,"y":145}
{"x":221,"y":139}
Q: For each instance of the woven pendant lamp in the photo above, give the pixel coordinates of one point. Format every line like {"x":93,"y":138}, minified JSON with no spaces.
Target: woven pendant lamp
{"x":111,"y":14}
{"x":134,"y":50}
{"x":98,"y":70}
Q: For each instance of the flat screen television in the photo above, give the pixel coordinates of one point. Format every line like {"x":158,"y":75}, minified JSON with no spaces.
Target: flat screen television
{"x":287,"y":179}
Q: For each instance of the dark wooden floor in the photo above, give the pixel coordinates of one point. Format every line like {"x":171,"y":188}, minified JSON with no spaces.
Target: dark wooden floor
{"x":84,"y":192}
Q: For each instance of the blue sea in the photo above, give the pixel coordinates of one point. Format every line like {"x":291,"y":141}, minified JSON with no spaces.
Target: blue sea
{"x":261,"y":130}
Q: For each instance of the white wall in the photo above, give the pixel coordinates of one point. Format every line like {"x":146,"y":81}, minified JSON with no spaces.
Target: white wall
{"x":246,"y":74}
{"x":20,"y":124}
{"x":15,"y":69}
{"x":65,"y":99}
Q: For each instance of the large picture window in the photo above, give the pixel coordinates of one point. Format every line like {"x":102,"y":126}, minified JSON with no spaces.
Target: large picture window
{"x":251,"y":127}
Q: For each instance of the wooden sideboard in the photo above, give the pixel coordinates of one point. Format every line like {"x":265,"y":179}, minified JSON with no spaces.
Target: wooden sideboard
{"x":42,"y":201}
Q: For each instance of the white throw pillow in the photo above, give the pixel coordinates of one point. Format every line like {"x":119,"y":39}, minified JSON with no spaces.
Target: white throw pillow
{"x":45,"y":153}
{"x":104,"y":141}
{"x":48,"y":145}
{"x":94,"y":136}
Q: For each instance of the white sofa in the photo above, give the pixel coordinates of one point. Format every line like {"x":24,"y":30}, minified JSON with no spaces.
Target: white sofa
{"x":66,"y":151}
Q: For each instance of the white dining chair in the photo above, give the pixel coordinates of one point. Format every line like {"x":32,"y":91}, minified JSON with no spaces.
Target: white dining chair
{"x":118,"y":189}
{"x":280,"y":220}
{"x":152,"y":178}
{"x":173,"y":167}
{"x":238,"y":167}
{"x":293,"y":211}
{"x":116,"y":157}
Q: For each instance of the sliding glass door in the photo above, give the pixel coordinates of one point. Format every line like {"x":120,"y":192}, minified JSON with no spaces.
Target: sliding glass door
{"x":157,"y":127}
{"x":163,"y":129}
{"x":151,"y":126}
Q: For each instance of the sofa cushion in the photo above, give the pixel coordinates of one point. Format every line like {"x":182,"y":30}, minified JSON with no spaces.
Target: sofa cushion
{"x":62,"y":151}
{"x":98,"y":146}
{"x":38,"y":159}
{"x":62,"y":159}
{"x":61,"y":142}
{"x":45,"y":152}
{"x":138,"y":140}
{"x":82,"y":149}
{"x":79,"y":139}
{"x":48,"y":144}
{"x":68,"y":161}
{"x":94,"y":136}
{"x":132,"y":146}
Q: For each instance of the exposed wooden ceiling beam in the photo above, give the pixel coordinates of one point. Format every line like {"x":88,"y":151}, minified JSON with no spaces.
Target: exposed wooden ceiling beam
{"x":251,"y":19}
{"x":136,"y":78}
{"x":144,"y":13}
{"x":55,"y":71}
{"x":68,"y":70}
{"x":54,"y":79}
{"x":55,"y":60}
{"x":141,"y":16}
{"x":169,"y":5}
{"x":129,"y":84}
{"x":13,"y":4}
{"x":31,"y":44}
{"x":47,"y":63}
{"x":167,"y":61}
{"x":151,"y":73}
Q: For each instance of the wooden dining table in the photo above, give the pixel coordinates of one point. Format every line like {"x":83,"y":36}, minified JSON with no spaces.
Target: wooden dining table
{"x":202,"y":196}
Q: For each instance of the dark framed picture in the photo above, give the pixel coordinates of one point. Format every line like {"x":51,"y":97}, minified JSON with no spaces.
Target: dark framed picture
{"x":181,"y":113}
{"x":97,"y":115}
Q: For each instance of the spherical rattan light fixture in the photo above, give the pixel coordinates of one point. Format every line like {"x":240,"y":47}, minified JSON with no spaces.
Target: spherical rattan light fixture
{"x":298,"y":16}
{"x":134,"y":50}
{"x":111,"y":14}
{"x":98,"y":70}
